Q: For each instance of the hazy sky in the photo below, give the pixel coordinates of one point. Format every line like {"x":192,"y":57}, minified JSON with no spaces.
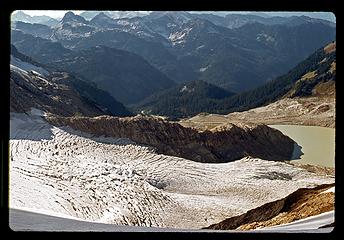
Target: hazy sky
{"x":50,"y":13}
{"x":323,"y":15}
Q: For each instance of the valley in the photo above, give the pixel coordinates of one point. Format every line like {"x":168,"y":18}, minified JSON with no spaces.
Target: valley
{"x":172,"y":121}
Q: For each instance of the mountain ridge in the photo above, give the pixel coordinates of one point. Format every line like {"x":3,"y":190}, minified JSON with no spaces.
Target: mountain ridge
{"x":188,"y":98}
{"x":186,"y":47}
{"x":289,"y":84}
{"x":126,"y":76}
{"x":21,"y":16}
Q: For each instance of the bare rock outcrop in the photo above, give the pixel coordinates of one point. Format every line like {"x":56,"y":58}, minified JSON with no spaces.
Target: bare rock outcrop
{"x":29,"y":90}
{"x":226,"y":143}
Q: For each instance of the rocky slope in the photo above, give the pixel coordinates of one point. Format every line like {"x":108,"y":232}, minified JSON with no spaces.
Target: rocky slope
{"x":28,"y":89}
{"x":321,"y":81}
{"x":34,"y":85}
{"x":224,"y":144}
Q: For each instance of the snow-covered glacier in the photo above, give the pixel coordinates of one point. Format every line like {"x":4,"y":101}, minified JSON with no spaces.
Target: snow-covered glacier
{"x":66,"y":172}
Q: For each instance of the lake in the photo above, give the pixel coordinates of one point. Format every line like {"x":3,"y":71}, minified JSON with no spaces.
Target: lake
{"x":318,"y":143}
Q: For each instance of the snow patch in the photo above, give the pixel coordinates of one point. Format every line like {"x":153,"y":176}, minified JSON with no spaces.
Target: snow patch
{"x":186,"y":89}
{"x":264,"y":37}
{"x":332,"y":189}
{"x":200,"y":47}
{"x":204,"y":68}
{"x":123,"y":22}
{"x":36,"y":112}
{"x":309,"y":223}
{"x":25,"y":66}
{"x":179,"y":37}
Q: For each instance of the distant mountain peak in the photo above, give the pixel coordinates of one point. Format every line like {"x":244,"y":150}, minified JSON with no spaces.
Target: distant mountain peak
{"x":175,"y":13}
{"x":180,"y":16}
{"x":198,"y":23}
{"x":21,"y":16}
{"x":71,"y":17}
{"x":101,"y":18}
{"x":68,"y":14}
{"x":102,"y":15}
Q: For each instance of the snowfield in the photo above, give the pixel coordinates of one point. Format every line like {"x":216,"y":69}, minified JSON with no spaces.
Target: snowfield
{"x":107,"y":180}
